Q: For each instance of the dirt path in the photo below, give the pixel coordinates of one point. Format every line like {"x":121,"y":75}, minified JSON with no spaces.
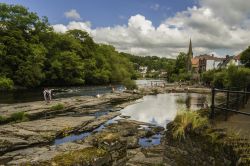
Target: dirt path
{"x":238,"y":123}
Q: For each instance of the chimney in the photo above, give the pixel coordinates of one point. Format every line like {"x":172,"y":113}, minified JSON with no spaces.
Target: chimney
{"x":212,"y":55}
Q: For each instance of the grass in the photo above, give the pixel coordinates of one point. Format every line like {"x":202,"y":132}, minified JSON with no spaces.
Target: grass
{"x":2,"y":119}
{"x":80,"y":157}
{"x":188,"y":122}
{"x":14,"y":117}
{"x":58,"y":106}
{"x":18,"y":117}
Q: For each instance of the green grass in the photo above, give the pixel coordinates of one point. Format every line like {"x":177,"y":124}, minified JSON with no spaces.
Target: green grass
{"x":187,"y":122}
{"x":18,"y":117}
{"x":57,"y":107}
{"x":2,"y":119}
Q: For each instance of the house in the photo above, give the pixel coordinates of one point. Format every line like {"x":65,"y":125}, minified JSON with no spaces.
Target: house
{"x":195,"y":64}
{"x":143,"y":70}
{"x":207,"y":62}
{"x":230,"y":60}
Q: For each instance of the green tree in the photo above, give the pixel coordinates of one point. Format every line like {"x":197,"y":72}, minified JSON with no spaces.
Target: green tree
{"x":245,"y":57}
{"x":180,"y":65}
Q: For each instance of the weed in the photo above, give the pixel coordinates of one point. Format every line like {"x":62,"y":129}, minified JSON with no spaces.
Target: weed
{"x":18,"y":117}
{"x":187,"y":122}
{"x":58,"y":106}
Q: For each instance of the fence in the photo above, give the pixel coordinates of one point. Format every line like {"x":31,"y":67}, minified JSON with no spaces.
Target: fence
{"x":235,"y":99}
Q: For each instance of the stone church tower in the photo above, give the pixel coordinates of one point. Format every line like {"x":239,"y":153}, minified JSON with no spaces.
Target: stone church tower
{"x":189,"y":57}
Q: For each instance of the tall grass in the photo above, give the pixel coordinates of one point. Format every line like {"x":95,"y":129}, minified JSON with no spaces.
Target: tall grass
{"x":58,"y":106}
{"x":187,"y":122}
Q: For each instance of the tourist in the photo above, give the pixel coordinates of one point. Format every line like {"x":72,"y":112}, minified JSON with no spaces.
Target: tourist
{"x":47,"y":95}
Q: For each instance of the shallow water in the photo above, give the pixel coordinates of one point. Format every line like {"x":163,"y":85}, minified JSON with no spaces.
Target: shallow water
{"x":19,"y":96}
{"x":155,"y":109}
{"x":162,"y":108}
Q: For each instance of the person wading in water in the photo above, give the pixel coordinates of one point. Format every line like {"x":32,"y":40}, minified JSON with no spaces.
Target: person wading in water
{"x":47,"y":95}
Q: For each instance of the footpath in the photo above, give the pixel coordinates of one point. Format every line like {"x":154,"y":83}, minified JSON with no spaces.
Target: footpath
{"x":238,"y":123}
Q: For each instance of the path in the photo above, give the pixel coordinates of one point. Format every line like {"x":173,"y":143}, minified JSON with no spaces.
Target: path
{"x":238,"y":123}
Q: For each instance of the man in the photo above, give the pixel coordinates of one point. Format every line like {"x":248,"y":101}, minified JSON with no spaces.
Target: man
{"x":47,"y":95}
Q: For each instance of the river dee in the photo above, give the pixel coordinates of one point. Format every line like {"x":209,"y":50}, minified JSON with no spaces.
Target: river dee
{"x":162,"y":108}
{"x":155,"y":109}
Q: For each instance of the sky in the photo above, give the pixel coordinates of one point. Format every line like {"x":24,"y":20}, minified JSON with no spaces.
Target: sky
{"x":153,"y":27}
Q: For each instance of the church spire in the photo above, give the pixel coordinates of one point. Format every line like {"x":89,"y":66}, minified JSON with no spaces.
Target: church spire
{"x":190,"y":50}
{"x":189,"y":56}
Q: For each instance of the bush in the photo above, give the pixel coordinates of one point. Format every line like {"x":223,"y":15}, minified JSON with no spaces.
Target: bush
{"x":6,"y":83}
{"x":18,"y":117}
{"x":2,"y":119}
{"x":129,"y":84}
{"x":187,"y":122}
{"x":57,"y":107}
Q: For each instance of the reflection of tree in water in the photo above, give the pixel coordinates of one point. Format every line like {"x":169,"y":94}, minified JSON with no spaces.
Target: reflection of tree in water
{"x":199,"y":101}
{"x":188,"y":101}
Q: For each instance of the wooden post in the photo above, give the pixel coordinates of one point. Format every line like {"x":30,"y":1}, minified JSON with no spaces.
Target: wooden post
{"x":212,"y":104}
{"x":227,"y":106}
{"x":245,"y":91}
{"x":238,"y":101}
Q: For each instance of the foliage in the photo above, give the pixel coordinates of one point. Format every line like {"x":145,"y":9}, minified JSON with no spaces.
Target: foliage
{"x":79,"y":157}
{"x":180,"y":66}
{"x":58,"y":106}
{"x":245,"y":57}
{"x":187,"y":122}
{"x":233,"y":76}
{"x":6,"y":83}
{"x":32,"y":54}
{"x":2,"y":119}
{"x":18,"y":117}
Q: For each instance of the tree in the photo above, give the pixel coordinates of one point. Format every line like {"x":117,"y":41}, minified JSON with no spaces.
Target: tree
{"x":245,"y":57}
{"x":180,"y":65}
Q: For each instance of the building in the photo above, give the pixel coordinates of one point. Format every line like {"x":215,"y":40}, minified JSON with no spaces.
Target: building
{"x":208,"y":62}
{"x":143,"y":70}
{"x":189,"y":57}
{"x":230,"y":60}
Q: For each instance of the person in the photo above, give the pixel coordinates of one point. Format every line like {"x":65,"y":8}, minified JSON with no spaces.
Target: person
{"x":47,"y":95}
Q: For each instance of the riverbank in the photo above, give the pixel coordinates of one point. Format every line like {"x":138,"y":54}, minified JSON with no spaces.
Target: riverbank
{"x":92,"y":131}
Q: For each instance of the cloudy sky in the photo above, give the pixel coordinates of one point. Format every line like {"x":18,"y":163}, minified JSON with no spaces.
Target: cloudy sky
{"x":153,"y":27}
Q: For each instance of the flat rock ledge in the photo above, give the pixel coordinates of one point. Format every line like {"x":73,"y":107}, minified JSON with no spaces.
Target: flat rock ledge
{"x":117,"y":144}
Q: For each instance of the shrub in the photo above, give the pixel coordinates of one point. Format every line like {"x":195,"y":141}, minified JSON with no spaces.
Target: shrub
{"x":6,"y":83}
{"x":2,"y":119}
{"x":58,"y":106}
{"x":18,"y":117}
{"x":187,"y":122}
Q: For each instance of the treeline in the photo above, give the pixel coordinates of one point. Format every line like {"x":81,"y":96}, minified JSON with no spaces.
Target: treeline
{"x":32,"y":54}
{"x":152,"y":63}
{"x":231,"y":77}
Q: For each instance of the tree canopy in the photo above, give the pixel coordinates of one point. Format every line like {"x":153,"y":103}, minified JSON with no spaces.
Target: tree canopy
{"x":32,"y":54}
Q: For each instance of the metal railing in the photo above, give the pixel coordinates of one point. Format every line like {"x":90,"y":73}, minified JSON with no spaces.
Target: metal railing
{"x":235,"y":99}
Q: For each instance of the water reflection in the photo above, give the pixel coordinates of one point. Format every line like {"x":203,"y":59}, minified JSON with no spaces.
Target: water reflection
{"x":162,"y":108}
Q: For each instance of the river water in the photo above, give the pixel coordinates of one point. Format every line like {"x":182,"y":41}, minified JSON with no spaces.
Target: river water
{"x":154,"y":109}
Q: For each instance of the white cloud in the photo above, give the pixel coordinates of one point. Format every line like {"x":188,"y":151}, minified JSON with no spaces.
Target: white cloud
{"x":72,"y":14}
{"x":155,"y":7}
{"x":210,"y":30}
{"x":85,"y":26}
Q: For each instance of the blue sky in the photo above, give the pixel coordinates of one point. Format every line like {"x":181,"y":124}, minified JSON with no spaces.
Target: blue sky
{"x":153,"y":27}
{"x":105,"y":12}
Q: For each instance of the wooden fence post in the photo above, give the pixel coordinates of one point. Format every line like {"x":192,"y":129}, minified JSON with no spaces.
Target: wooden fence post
{"x":227,"y":104}
{"x":212,"y":104}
